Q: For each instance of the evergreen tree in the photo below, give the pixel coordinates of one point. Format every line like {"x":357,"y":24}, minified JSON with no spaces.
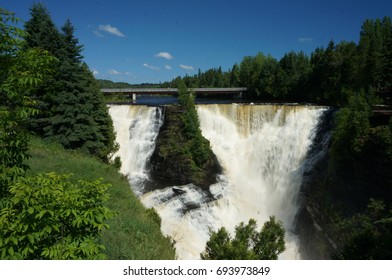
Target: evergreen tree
{"x":291,"y":76}
{"x":74,"y":111}
{"x":71,"y":50}
{"x":386,"y":66}
{"x":370,"y":51}
{"x":351,"y":128}
{"x":267,"y":79}
{"x":43,"y":34}
{"x":235,"y":76}
{"x":199,"y":147}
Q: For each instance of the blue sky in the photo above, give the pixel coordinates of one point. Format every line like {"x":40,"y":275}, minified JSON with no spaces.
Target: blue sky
{"x":154,"y":41}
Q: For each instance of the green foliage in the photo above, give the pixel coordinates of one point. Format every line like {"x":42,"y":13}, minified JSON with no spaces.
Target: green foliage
{"x":359,"y":145}
{"x":334,"y":69}
{"x":248,"y":243}
{"x":21,"y":70}
{"x":73,"y":111}
{"x":372,"y":237}
{"x":133,"y":232}
{"x":386,"y":57}
{"x":219,"y":246}
{"x":351,"y":128}
{"x":41,"y":31}
{"x":49,"y":217}
{"x":258,"y":75}
{"x":235,"y":76}
{"x":381,"y":140}
{"x":291,"y":75}
{"x":214,"y":77}
{"x":370,"y":46}
{"x":198,"y":146}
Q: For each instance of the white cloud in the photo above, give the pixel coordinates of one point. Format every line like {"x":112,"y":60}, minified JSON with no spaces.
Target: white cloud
{"x":111,"y":29}
{"x":166,"y":55}
{"x":150,"y":67}
{"x":95,"y":72}
{"x":168,"y":67}
{"x":186,"y":67}
{"x":130,"y":75}
{"x":96,"y":32}
{"x":305,"y":40}
{"x":114,"y":72}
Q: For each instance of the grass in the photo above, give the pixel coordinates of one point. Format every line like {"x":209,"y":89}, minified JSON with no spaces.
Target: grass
{"x":134,"y":232}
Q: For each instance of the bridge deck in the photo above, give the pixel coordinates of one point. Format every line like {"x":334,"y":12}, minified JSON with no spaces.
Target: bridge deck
{"x":172,"y":90}
{"x":382,"y":109}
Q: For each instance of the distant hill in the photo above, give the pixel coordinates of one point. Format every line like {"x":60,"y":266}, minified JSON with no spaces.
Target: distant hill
{"x":111,"y":84}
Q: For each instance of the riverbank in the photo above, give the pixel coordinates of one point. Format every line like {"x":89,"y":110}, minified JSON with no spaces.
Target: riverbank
{"x":134,"y":231}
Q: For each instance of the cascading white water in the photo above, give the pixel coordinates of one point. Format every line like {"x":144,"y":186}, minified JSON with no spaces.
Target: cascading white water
{"x":261,"y":149}
{"x":262,"y":157}
{"x":136,"y":128}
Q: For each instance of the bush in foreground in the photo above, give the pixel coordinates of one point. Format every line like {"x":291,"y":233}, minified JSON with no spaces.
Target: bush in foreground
{"x":49,"y":217}
{"x":248,"y":243}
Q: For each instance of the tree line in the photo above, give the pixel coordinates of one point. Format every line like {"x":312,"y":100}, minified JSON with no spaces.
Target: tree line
{"x":324,"y":77}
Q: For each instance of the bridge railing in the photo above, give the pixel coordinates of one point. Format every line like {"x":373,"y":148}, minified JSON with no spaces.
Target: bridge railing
{"x":171,"y":90}
{"x":235,"y":91}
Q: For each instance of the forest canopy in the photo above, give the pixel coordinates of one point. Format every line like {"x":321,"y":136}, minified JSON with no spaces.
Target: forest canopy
{"x":323,"y":77}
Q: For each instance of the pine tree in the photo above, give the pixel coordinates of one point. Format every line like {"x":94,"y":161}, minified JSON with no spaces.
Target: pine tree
{"x":74,"y":111}
{"x":81,"y":120}
{"x":386,"y":71}
{"x":43,"y":34}
{"x":370,"y":49}
{"x":235,"y":76}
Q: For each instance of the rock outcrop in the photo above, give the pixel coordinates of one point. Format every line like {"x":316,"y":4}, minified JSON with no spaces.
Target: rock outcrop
{"x":172,"y":162}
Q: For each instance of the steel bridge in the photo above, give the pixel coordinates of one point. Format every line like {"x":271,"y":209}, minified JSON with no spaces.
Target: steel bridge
{"x":235,"y":92}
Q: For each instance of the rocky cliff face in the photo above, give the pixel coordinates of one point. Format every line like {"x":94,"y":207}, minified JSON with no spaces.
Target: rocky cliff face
{"x":314,"y":215}
{"x":335,"y":191}
{"x":172,"y":163}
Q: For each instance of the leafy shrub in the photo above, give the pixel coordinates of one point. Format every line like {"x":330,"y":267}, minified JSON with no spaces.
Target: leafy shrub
{"x":248,"y":243}
{"x":372,"y":237}
{"x":49,"y":217}
{"x":21,"y":70}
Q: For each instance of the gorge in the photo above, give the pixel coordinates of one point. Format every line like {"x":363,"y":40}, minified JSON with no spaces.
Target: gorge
{"x":264,"y":152}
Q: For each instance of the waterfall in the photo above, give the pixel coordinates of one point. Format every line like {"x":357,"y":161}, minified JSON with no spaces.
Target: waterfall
{"x":262,"y":149}
{"x":136,"y":128}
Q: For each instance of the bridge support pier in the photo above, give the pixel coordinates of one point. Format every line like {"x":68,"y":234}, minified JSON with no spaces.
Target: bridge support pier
{"x":133,"y":96}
